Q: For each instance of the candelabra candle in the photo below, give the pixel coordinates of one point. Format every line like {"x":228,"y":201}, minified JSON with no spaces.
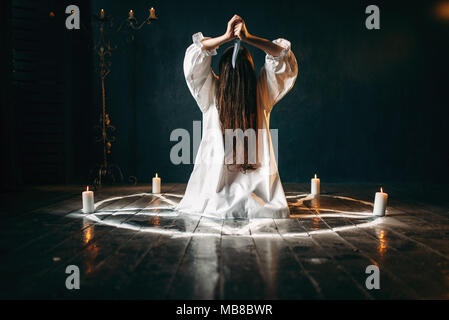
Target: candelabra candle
{"x":101,"y":14}
{"x":131,"y":14}
{"x":152,"y":14}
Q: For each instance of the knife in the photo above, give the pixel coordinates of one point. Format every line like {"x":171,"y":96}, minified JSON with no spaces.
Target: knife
{"x":235,"y":52}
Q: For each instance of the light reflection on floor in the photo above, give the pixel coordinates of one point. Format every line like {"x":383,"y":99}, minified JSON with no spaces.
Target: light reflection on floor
{"x":93,"y":249}
{"x":163,"y":219}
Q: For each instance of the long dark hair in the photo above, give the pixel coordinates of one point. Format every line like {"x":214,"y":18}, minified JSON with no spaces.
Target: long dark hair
{"x":236,"y":94}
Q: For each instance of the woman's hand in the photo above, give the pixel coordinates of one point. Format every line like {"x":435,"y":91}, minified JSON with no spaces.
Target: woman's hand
{"x":269,"y":47}
{"x":240,"y":31}
{"x":230,"y":34}
{"x":214,"y":43}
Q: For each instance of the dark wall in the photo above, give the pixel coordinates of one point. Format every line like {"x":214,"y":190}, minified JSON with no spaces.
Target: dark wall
{"x":367,"y":105}
{"x":46,"y":100}
{"x":8,"y":160}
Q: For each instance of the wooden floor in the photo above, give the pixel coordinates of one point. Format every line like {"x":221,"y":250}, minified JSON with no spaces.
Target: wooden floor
{"x":136,"y":247}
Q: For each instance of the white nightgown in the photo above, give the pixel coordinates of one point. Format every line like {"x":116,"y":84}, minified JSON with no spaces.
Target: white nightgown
{"x":214,"y":189}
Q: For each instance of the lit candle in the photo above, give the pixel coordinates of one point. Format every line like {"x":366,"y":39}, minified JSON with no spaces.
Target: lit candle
{"x":380,"y":203}
{"x":102,"y":14}
{"x":315,"y":186}
{"x":152,"y":13}
{"x":88,"y":201}
{"x":131,"y":14}
{"x":156,"y":184}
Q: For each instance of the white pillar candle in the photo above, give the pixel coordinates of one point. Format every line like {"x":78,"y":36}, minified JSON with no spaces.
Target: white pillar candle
{"x":315,"y":186}
{"x":156,"y":184}
{"x":88,"y":201}
{"x":380,"y":203}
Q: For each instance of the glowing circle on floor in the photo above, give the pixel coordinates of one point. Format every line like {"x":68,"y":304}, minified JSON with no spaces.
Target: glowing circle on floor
{"x":308,"y":215}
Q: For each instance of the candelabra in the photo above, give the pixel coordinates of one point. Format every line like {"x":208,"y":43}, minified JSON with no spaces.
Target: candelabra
{"x":107,"y":171}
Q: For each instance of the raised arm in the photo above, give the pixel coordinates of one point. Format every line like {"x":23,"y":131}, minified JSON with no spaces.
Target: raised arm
{"x":280,"y":70}
{"x":214,"y":43}
{"x":269,"y":47}
{"x":198,"y":73}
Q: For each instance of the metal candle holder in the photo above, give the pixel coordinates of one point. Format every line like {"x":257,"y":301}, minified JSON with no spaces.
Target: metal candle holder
{"x":104,"y":49}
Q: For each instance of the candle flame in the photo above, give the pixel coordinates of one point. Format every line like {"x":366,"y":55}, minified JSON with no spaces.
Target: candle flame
{"x":102,"y":10}
{"x":156,"y":175}
{"x":381,"y":190}
{"x":315,"y":175}
{"x":87,"y":188}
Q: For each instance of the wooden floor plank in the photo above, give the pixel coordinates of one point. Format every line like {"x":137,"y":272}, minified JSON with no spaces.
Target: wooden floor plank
{"x":139,"y":247}
{"x":285,"y":276}
{"x":242,"y":278}
{"x":202,"y":258}
{"x":352,"y":258}
{"x":154,"y":274}
{"x":79,"y":249}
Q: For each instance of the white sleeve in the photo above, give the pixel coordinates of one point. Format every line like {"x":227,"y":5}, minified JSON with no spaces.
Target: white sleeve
{"x":278,"y":75}
{"x":198,"y":72}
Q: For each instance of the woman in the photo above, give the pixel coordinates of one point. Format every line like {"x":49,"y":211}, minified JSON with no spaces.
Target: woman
{"x":237,"y":180}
